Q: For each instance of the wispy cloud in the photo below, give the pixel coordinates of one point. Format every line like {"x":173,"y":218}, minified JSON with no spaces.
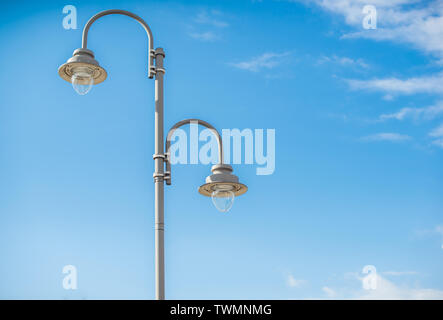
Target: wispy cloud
{"x":390,"y":137}
{"x":425,"y":113}
{"x":343,"y":61}
{"x":418,"y":24}
{"x":384,"y":289}
{"x":294,"y":283}
{"x":437,"y":133}
{"x":413,"y":22}
{"x":212,"y":18}
{"x":329,"y":292}
{"x":425,"y":84}
{"x":204,"y":36}
{"x":400,"y":273}
{"x":207,"y":24}
{"x":438,"y":230}
{"x":388,"y":290}
{"x":438,"y":143}
{"x":265,"y":61}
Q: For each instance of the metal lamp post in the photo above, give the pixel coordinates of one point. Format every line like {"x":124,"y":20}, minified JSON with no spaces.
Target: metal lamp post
{"x":83,"y":71}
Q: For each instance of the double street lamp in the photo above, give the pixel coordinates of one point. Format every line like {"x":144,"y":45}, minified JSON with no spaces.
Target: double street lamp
{"x":83,"y":71}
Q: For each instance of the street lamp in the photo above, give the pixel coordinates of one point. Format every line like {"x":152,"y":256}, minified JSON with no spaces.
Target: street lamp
{"x":83,"y":71}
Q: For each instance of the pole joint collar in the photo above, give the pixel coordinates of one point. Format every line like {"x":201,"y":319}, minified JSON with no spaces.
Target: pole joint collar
{"x":159,"y":156}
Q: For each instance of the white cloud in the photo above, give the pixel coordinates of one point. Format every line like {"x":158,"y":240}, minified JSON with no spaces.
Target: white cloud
{"x":294,"y":283}
{"x":430,"y":84}
{"x":400,"y":273}
{"x":425,"y":84}
{"x":352,"y":9}
{"x":211,"y":21}
{"x":265,"y":61}
{"x":415,"y":23}
{"x":211,"y":18}
{"x":343,"y":61}
{"x":388,"y":97}
{"x":384,"y":289}
{"x":426,"y":113}
{"x":438,"y":134}
{"x":407,"y":21}
{"x":204,"y":36}
{"x":387,"y":290}
{"x":329,"y":292}
{"x":391,"y":137}
{"x":438,"y":230}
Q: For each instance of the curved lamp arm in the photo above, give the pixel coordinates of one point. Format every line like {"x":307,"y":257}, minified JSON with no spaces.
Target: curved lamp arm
{"x":182,"y":123}
{"x":151,"y":53}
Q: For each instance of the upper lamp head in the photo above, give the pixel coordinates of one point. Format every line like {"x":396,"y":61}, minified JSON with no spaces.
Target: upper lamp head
{"x":222,"y":180}
{"x":82,"y":70}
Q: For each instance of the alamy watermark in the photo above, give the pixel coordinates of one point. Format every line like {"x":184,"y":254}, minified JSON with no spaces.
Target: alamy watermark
{"x":70,"y":280}
{"x":370,"y":18}
{"x":369,"y":282}
{"x":70,"y":20}
{"x":246,"y":147}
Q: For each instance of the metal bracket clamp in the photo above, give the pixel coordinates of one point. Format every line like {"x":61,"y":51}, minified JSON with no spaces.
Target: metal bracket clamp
{"x":158,"y":52}
{"x":156,"y":156}
{"x":155,"y":70}
{"x":154,"y":55}
{"x":167,"y":177}
{"x":162,"y":70}
{"x":159,"y":176}
{"x":167,"y":173}
{"x":151,"y":71}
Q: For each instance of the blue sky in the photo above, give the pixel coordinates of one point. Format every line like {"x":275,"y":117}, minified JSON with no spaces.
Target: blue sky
{"x":358,"y":116}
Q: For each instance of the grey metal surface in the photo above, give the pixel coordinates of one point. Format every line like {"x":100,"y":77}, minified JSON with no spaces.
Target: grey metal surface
{"x":82,"y":58}
{"x":159,"y":179}
{"x":151,"y":70}
{"x":180,"y":124}
{"x":221,"y":176}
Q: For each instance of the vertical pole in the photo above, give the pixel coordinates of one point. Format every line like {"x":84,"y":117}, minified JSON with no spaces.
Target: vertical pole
{"x":159,"y":179}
